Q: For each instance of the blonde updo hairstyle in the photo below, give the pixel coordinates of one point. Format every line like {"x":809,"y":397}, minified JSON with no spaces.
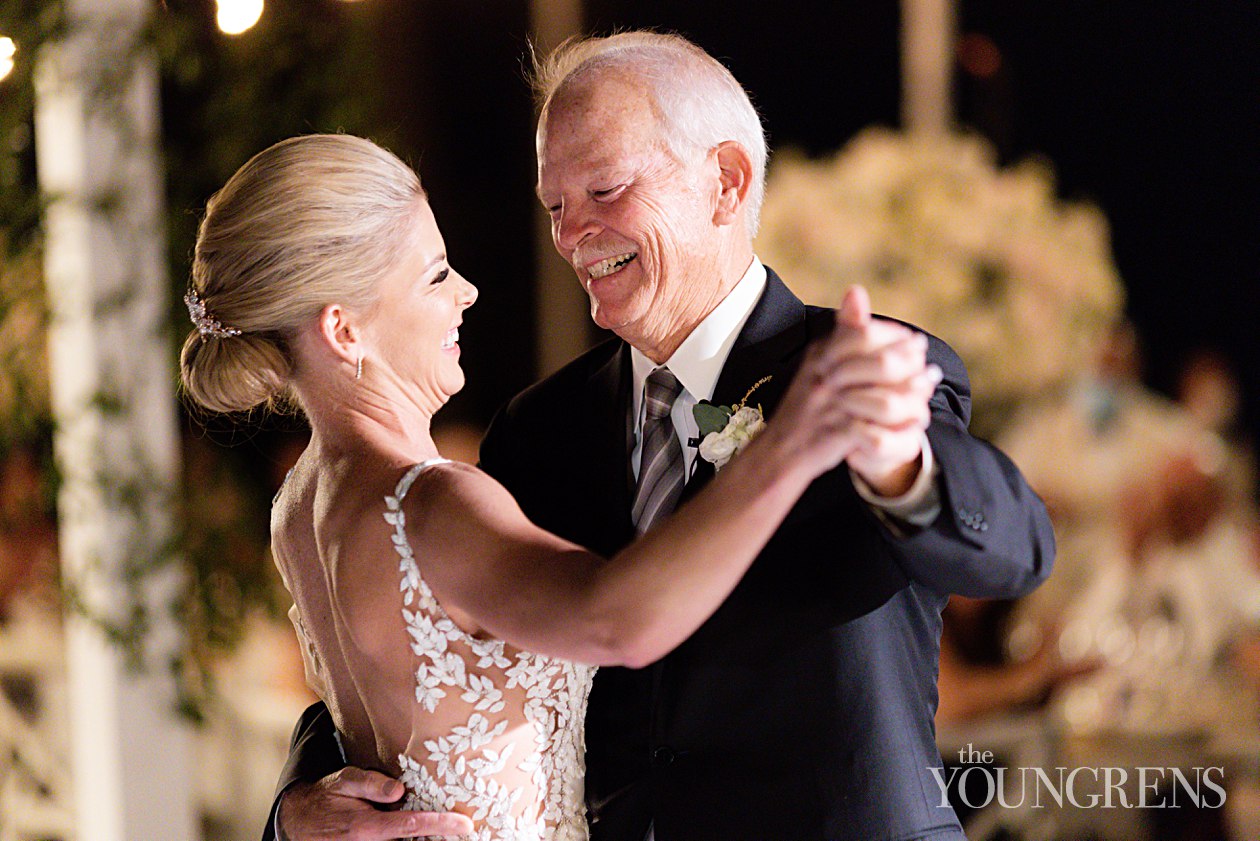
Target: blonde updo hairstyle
{"x":308,"y":222}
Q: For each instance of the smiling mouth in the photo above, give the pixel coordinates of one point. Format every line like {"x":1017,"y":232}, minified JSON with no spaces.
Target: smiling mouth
{"x":612,"y":265}
{"x":452,"y":337}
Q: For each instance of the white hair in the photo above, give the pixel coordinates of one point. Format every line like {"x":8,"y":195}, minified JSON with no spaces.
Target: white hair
{"x":699,"y":103}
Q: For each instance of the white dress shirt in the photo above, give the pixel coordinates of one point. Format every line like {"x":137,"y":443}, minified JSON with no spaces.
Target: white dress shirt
{"x":697,"y":363}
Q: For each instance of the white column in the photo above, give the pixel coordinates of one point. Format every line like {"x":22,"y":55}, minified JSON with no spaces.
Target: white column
{"x":112,"y":382}
{"x":927,"y":65}
{"x":561,"y":308}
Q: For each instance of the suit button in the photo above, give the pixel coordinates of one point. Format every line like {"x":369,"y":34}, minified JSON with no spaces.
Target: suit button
{"x":663,"y":757}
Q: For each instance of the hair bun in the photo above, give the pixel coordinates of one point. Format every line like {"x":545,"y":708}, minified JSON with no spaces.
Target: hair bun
{"x":234,"y":374}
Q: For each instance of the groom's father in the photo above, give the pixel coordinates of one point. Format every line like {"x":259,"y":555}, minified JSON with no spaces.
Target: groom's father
{"x":803,"y":709}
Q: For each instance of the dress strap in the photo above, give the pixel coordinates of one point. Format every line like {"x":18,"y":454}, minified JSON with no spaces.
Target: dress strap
{"x":412,"y":582}
{"x":409,"y":478}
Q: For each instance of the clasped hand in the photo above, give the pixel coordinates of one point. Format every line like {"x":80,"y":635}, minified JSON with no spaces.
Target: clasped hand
{"x":862,"y":396}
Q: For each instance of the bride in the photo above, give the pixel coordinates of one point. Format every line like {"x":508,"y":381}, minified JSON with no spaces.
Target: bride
{"x":453,"y":641}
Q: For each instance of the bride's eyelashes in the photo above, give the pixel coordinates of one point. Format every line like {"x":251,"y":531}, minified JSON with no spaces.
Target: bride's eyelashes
{"x":440,"y":277}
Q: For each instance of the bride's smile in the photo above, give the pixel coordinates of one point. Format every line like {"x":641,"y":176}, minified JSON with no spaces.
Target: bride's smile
{"x":412,"y":332}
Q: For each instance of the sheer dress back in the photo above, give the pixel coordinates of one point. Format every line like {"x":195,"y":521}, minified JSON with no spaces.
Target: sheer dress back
{"x":495,"y":732}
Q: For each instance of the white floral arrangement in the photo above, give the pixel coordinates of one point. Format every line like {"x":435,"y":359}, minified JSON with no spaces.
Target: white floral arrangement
{"x":721,"y":446}
{"x":1021,"y":284}
{"x":726,"y":430}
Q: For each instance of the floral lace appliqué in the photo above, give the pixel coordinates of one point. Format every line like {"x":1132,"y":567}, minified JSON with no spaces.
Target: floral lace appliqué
{"x":515,"y":761}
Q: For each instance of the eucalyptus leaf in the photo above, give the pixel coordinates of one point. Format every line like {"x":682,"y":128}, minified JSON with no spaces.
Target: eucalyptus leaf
{"x":710,"y":418}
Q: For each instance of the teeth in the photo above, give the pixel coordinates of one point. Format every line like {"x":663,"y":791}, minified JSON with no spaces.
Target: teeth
{"x":451,"y":338}
{"x":612,"y":264}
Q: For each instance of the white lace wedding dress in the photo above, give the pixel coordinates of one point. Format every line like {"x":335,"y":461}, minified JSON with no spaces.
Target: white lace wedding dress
{"x":499,"y":732}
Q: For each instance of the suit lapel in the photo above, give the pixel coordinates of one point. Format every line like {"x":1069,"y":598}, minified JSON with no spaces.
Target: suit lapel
{"x":611,"y":436}
{"x":768,"y":345}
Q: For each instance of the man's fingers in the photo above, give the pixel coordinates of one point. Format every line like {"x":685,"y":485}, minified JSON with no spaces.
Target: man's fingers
{"x":373,"y":825}
{"x":891,"y":365}
{"x":855,"y":308}
{"x":877,"y":336}
{"x":885,"y":378}
{"x":364,"y":785}
{"x":889,"y":407}
{"x":422,"y":824}
{"x":340,"y":806}
{"x":437,"y":823}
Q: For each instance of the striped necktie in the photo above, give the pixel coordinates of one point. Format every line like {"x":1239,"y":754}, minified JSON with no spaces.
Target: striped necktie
{"x":661,"y":462}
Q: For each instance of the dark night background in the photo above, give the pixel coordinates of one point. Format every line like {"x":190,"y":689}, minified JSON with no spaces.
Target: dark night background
{"x":1145,"y":108}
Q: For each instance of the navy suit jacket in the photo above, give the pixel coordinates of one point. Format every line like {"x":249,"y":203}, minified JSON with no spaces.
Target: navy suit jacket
{"x":803,"y":709}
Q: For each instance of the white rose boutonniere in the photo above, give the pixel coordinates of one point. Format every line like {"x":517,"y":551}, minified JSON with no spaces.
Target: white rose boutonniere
{"x":726,"y":430}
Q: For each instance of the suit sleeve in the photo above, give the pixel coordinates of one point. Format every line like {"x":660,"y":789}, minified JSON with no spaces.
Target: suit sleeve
{"x":494,"y":456}
{"x":993,"y":537}
{"x":313,"y":755}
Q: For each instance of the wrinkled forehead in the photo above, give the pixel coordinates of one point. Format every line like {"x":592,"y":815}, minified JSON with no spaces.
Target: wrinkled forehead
{"x":598,"y":115}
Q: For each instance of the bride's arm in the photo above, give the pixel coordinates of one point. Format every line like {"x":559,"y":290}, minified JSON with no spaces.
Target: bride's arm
{"x":483,"y":557}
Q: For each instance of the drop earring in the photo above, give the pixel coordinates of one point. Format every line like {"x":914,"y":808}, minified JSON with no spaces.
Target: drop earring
{"x":358,"y":369}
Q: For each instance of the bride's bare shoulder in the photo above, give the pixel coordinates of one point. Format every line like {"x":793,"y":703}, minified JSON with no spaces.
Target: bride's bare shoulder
{"x":453,"y":492}
{"x":442,"y":529}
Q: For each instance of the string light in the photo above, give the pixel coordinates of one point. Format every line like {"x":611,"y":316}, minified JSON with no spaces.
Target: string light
{"x":8,"y":49}
{"x":236,"y":16}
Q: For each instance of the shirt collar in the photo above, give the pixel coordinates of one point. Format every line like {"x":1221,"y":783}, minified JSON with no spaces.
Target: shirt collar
{"x":699,"y":360}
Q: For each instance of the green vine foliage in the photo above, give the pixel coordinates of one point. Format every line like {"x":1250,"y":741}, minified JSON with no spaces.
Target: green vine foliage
{"x":308,"y":66}
{"x":27,"y":471}
{"x":29,"y":23}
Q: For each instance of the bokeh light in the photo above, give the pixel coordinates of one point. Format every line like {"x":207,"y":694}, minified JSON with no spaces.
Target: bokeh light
{"x":979,"y":55}
{"x":8,"y":50}
{"x":236,"y":16}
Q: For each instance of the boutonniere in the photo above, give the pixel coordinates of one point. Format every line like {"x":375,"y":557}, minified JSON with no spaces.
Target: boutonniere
{"x":725,"y":430}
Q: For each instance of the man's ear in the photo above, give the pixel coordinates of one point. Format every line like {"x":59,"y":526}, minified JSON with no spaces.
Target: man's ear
{"x":339,"y":331}
{"x":735,"y":173}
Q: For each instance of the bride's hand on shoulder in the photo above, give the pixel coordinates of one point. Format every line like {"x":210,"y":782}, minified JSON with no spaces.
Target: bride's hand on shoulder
{"x":343,"y":806}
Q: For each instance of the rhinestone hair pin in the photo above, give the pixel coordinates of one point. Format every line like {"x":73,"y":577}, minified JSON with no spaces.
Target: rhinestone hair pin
{"x":206,"y":324}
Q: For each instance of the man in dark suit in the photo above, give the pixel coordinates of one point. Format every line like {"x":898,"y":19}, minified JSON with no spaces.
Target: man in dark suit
{"x":803,"y":708}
